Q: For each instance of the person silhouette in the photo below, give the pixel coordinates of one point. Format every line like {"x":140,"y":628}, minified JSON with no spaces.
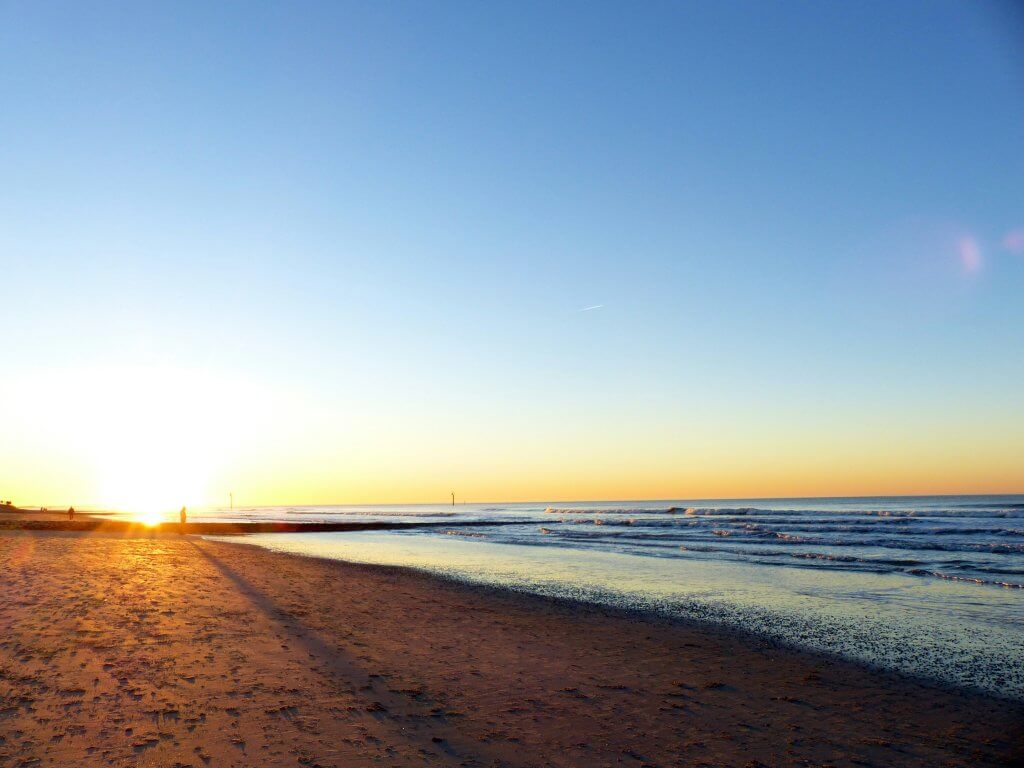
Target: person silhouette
{"x":183,"y":515}
{"x":71,"y":513}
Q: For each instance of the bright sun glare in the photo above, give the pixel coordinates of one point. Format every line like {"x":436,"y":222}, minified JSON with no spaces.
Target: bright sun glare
{"x":149,"y":439}
{"x":154,"y":437}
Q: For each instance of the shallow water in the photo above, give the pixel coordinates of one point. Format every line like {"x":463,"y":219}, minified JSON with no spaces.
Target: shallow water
{"x":977,"y":539}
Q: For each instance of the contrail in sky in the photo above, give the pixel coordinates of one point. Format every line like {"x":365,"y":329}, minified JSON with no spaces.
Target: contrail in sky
{"x":587,"y":309}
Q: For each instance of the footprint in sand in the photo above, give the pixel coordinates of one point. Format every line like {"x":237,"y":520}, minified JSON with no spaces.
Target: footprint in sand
{"x":144,"y":744}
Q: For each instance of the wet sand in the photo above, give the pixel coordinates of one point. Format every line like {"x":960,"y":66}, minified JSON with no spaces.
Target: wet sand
{"x":174,"y":651}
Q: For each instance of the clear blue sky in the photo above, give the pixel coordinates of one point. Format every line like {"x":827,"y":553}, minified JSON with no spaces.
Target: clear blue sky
{"x":798,"y":218}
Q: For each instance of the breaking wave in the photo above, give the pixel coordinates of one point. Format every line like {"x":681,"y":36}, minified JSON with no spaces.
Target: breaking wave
{"x":975,"y":541}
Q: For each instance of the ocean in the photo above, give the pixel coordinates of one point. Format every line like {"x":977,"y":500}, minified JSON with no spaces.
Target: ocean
{"x":931,"y":586}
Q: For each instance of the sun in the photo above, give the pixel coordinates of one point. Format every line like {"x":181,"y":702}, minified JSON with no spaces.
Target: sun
{"x":149,"y":439}
{"x":152,"y":441}
{"x":149,"y":478}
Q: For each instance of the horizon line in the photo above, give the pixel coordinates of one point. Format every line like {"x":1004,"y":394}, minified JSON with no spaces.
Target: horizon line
{"x":87,"y":507}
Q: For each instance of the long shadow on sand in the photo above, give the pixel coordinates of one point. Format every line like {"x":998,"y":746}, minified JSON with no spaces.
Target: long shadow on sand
{"x":418,"y":729}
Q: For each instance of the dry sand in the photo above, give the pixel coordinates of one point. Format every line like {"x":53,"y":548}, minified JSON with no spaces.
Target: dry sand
{"x":174,"y":651}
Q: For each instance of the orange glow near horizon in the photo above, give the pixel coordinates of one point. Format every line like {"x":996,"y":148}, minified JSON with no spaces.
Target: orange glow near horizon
{"x":147,"y":441}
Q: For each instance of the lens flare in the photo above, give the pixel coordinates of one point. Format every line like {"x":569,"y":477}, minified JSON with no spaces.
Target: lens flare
{"x":970,"y":254}
{"x":1013,"y":241}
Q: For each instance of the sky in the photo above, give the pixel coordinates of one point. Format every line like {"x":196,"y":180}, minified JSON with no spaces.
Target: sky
{"x":381,"y":252}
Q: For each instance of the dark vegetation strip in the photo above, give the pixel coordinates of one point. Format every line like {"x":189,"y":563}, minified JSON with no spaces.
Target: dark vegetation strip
{"x":222,"y":529}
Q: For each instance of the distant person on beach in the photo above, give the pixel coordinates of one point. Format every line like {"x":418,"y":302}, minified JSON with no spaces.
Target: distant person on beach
{"x":183,"y":516}
{"x":71,"y":513}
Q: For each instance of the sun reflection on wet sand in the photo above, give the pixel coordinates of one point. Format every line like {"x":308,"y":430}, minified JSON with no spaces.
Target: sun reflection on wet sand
{"x":150,"y":519}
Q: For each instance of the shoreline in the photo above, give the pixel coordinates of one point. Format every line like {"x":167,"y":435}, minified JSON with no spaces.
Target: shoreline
{"x":646,"y":614}
{"x":203,"y":652}
{"x":847,"y":617}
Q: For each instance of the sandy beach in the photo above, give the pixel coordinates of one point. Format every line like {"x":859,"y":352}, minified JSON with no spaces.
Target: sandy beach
{"x":173,"y":650}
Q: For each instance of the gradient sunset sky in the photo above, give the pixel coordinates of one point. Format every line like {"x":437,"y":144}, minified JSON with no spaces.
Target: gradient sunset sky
{"x":377,"y":252}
